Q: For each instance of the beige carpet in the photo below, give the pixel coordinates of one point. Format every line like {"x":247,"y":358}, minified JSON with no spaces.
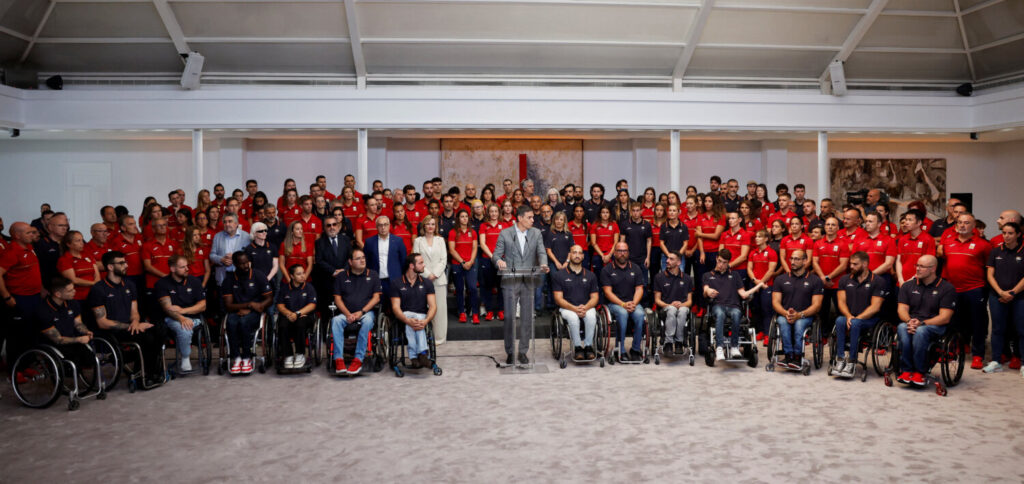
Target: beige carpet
{"x":640,"y":423}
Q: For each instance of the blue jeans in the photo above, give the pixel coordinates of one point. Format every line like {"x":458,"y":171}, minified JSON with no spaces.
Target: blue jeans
{"x":417,"y":339}
{"x":620,"y":316}
{"x":241,"y":332}
{"x":573,"y":321}
{"x":856,"y":327}
{"x":489,"y":283}
{"x":914,"y":347}
{"x":1008,"y":315}
{"x":182,"y":336}
{"x":793,"y":334}
{"x":465,"y":283}
{"x":971,"y":319}
{"x":719,"y":313}
{"x":338,"y":324}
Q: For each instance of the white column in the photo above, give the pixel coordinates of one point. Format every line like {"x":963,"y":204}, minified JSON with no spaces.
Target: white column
{"x":363,"y":162}
{"x":197,"y":157}
{"x":823,"y":166}
{"x":673,"y":162}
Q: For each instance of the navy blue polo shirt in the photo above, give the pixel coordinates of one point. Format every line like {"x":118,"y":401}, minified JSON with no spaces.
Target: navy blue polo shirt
{"x":727,"y":285}
{"x":356,"y":290}
{"x":593,"y":210}
{"x":674,"y":238}
{"x":262,"y":257}
{"x":926,"y":300}
{"x":559,"y":243}
{"x":623,"y":281}
{"x":636,"y":236}
{"x":673,"y":287}
{"x":797,"y":291}
{"x":251,"y":287}
{"x":60,"y":316}
{"x":47,"y":251}
{"x":185,"y":294}
{"x":576,"y":287}
{"x":296,"y":298}
{"x":276,"y":234}
{"x":859,"y":293}
{"x":1008,"y":265}
{"x":116,"y":299}
{"x":413,"y":297}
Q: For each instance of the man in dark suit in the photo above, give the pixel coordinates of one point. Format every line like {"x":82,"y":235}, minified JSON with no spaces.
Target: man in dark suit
{"x":332,"y":252}
{"x":385,"y":255}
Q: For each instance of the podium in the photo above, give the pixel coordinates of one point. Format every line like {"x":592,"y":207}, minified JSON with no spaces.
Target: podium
{"x":531,"y":278}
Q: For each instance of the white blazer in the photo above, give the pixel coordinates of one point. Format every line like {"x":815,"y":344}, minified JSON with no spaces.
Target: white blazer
{"x":435,"y":258}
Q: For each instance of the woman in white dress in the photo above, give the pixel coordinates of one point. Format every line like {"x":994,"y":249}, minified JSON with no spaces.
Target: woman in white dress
{"x":434,"y":250}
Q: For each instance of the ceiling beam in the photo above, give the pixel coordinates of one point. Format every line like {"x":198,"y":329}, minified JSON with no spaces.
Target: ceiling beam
{"x":172,"y":26}
{"x":856,"y":35}
{"x":39,"y":28}
{"x":357,"y":45}
{"x":919,"y":13}
{"x":596,"y":43}
{"x":980,"y":6}
{"x":963,"y":38}
{"x":15,"y":34}
{"x":692,"y":38}
{"x":103,"y":40}
{"x":268,"y":40}
{"x":998,"y":42}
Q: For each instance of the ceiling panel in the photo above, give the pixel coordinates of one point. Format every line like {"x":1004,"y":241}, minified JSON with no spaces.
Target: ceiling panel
{"x":519,"y":59}
{"x":899,"y":31}
{"x":778,"y":28}
{"x":11,"y":49}
{"x":923,"y":5}
{"x":22,"y":15}
{"x":261,"y":19}
{"x":797,"y":3}
{"x":996,"y":22}
{"x":901,"y":67}
{"x":104,"y":20}
{"x":966,"y":4}
{"x":298,"y":58}
{"x":999,"y":60}
{"x":536,"y":21}
{"x":105,"y":58}
{"x":758,"y":63}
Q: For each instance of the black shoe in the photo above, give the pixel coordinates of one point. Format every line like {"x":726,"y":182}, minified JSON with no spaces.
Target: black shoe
{"x":588,"y":352}
{"x":523,"y":359}
{"x":796,"y":362}
{"x":508,"y":359}
{"x":679,"y":347}
{"x":635,"y":355}
{"x":623,"y":356}
{"x":668,"y":348}
{"x":424,"y":360}
{"x":579,"y":354}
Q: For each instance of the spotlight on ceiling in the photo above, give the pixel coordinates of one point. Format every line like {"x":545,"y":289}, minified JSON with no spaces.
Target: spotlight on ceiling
{"x":193,"y":70}
{"x":965,"y":89}
{"x":55,"y":82}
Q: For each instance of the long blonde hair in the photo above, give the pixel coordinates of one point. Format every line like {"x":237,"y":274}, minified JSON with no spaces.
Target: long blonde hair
{"x":289,"y":239}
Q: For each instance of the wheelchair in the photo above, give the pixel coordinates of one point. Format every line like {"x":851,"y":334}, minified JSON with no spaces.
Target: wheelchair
{"x":947,"y":351}
{"x":202,"y":355}
{"x":613,"y":340}
{"x":397,"y":346}
{"x":812,"y":334}
{"x":658,"y":338}
{"x":747,"y":338}
{"x":376,"y":349}
{"x":49,"y":374}
{"x":560,"y":332}
{"x":874,"y":345}
{"x":314,"y":347}
{"x":262,"y":340}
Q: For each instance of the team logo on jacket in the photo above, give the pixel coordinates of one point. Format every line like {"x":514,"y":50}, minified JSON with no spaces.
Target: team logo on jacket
{"x":971,"y":247}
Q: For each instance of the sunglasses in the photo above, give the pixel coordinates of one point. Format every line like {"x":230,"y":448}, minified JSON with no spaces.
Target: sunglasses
{"x":261,"y":231}
{"x":333,"y":225}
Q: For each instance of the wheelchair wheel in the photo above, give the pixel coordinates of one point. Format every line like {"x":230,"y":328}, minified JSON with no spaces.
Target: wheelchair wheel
{"x":817,"y":347}
{"x":43,"y":380}
{"x":600,"y":333}
{"x":774,"y":344}
{"x":832,"y":343}
{"x":205,"y":348}
{"x":268,"y":340}
{"x":316,"y":343}
{"x":607,"y":334}
{"x":382,"y":338}
{"x":556,"y":335}
{"x":883,"y":342}
{"x":110,"y":359}
{"x":951,"y":360}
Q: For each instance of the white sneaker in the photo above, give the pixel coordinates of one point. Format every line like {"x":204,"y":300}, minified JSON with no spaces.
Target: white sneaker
{"x":735,"y":352}
{"x":300,"y":361}
{"x":719,"y":354}
{"x":186,"y":365}
{"x":849,"y":369}
{"x":992,"y":367}
{"x":1022,"y":372}
{"x":289,"y":362}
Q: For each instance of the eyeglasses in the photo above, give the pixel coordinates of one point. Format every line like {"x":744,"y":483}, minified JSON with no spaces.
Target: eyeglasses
{"x":359,"y":258}
{"x":332,"y":225}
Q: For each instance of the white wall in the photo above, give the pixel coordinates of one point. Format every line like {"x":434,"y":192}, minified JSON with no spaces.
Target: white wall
{"x":411,"y":161}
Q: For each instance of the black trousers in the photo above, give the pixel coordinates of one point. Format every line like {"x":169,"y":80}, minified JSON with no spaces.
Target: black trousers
{"x":80,"y":355}
{"x":292,"y":331}
{"x":151,"y":342}
{"x":19,"y":326}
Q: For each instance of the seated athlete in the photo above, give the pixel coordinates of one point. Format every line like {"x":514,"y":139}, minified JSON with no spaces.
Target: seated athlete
{"x":183,"y":300}
{"x":859,"y":299}
{"x":576,"y":295}
{"x":723,"y":288}
{"x":296,"y":302}
{"x":673,"y":294}
{"x":246,"y":295}
{"x":412,"y":299}
{"x":925,"y":308}
{"x":357,"y":291}
{"x":60,"y":322}
{"x":796,"y":298}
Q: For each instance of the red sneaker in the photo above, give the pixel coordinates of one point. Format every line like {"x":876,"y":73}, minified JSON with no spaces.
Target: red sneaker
{"x":765,"y":341}
{"x":20,"y":378}
{"x":1003,"y":359}
{"x":977,"y":363}
{"x":31,"y":372}
{"x":1015,"y":363}
{"x":354,"y":368}
{"x":462,"y":317}
{"x":760,"y":335}
{"x":490,"y":316}
{"x":501,"y":315}
{"x":339,"y":366}
{"x":476,"y":319}
{"x":246,"y":365}
{"x":917,"y":379}
{"x":904,"y":377}
{"x":236,"y":367}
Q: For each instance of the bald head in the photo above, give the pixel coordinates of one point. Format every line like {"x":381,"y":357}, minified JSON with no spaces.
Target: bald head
{"x":100,"y":233}
{"x":23,"y":233}
{"x":1007,"y":216}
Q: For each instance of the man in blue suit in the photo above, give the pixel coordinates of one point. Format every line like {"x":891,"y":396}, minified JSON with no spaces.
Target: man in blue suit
{"x":385,"y":254}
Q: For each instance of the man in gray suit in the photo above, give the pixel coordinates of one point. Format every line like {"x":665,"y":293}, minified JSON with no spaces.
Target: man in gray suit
{"x":520,"y":247}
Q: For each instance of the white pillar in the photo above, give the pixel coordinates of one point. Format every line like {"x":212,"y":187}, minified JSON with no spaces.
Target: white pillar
{"x":673,"y":162}
{"x":197,"y":157}
{"x":823,"y":166}
{"x":363,"y":162}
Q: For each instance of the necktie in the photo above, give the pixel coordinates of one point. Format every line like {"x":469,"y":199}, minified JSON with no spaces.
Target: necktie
{"x":334,"y":243}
